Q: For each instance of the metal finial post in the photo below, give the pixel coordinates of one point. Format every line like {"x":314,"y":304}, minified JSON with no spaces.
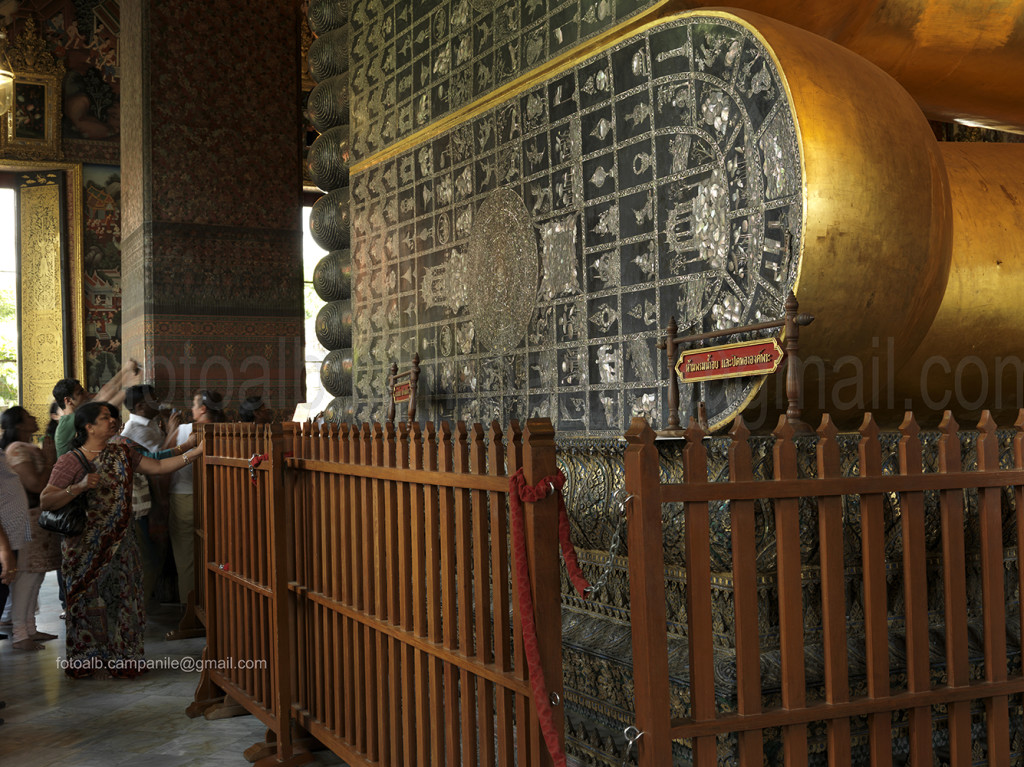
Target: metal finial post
{"x":391,"y":392}
{"x":668,"y":343}
{"x":673,"y":387}
{"x":794,"y":372}
{"x":414,"y":377}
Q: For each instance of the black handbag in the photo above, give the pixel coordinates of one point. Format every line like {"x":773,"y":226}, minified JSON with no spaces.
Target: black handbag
{"x":69,"y":519}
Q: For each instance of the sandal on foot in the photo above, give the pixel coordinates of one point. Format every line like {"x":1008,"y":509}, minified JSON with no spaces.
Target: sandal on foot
{"x":42,"y":636}
{"x":27,"y":644}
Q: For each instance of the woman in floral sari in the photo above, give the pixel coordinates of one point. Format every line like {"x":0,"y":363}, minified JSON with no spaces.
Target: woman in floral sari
{"x":102,"y":567}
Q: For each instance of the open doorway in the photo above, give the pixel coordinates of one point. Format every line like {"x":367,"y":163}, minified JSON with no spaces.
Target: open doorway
{"x":41,"y":266}
{"x":8,"y":301}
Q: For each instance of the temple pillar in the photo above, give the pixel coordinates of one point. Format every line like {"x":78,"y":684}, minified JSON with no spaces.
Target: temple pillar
{"x":211,"y":206}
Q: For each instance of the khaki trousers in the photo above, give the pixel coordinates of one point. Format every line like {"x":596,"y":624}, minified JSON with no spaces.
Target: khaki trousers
{"x":182,"y":529}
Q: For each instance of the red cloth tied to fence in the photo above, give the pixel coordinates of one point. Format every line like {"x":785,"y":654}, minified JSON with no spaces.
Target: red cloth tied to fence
{"x":520,"y":492}
{"x":538,"y":492}
{"x":255,"y":461}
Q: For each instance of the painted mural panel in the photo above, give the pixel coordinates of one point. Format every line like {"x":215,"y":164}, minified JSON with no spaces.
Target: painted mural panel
{"x":532,"y":254}
{"x":84,"y":36}
{"x":92,"y":102}
{"x":102,"y":273}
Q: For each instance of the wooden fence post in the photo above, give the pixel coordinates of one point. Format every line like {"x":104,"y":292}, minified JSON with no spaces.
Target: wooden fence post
{"x":207,"y":693}
{"x":833,"y":594}
{"x":915,"y":594}
{"x":993,"y":592}
{"x":699,"y":615}
{"x":790,"y":588}
{"x":647,"y":596}
{"x":954,"y":577}
{"x":742,"y":517}
{"x":542,"y":555}
{"x":873,"y":564}
{"x":283,"y":565}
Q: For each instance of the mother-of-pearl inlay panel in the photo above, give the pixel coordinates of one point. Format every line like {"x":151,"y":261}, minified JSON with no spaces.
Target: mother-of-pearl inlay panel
{"x":658,"y":178}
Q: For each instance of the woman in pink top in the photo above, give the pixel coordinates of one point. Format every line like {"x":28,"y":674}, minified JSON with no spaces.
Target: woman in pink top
{"x":41,"y":554}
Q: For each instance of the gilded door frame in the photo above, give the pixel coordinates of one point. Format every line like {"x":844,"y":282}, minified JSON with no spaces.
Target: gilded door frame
{"x":74,"y":234}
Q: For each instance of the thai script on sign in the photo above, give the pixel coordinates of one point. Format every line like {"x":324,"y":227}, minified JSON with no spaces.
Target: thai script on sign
{"x":746,"y":358}
{"x":401,"y":392}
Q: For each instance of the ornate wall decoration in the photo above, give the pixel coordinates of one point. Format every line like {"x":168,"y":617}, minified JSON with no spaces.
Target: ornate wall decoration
{"x":659,"y":178}
{"x":413,"y":63}
{"x":31,"y":128}
{"x":42,"y":349}
{"x":102,"y":274}
{"x":84,"y":37}
{"x":499,"y":274}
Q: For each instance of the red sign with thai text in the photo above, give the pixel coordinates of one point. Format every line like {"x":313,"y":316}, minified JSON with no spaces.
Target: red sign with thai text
{"x":747,"y":358}
{"x":401,"y":392}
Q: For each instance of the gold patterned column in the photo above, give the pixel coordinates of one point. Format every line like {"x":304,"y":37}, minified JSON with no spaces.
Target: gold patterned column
{"x":43,"y":350}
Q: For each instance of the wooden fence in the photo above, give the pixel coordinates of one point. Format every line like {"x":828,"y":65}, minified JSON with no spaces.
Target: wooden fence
{"x":246,"y":568}
{"x":919,"y":693}
{"x":371,"y":567}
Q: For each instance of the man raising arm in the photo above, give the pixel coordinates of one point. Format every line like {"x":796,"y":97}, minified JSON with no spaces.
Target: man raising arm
{"x":69,"y":394}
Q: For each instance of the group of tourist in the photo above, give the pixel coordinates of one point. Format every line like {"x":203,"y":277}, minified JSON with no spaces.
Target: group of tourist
{"x":108,"y":572}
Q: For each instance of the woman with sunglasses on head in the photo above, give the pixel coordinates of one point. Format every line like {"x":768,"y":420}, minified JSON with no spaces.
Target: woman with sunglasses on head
{"x":207,"y":407}
{"x":102,"y":567}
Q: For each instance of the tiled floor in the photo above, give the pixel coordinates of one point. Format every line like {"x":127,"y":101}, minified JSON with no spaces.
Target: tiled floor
{"x":52,"y":720}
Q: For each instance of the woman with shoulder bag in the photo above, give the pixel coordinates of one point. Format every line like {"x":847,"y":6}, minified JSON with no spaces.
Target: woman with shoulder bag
{"x":102,"y":566}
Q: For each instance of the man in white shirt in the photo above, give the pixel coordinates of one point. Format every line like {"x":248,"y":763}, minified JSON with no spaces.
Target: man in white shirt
{"x":207,"y":407}
{"x":149,"y":496}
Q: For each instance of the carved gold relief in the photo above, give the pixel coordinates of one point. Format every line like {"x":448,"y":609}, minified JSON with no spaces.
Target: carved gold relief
{"x":42,"y":351}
